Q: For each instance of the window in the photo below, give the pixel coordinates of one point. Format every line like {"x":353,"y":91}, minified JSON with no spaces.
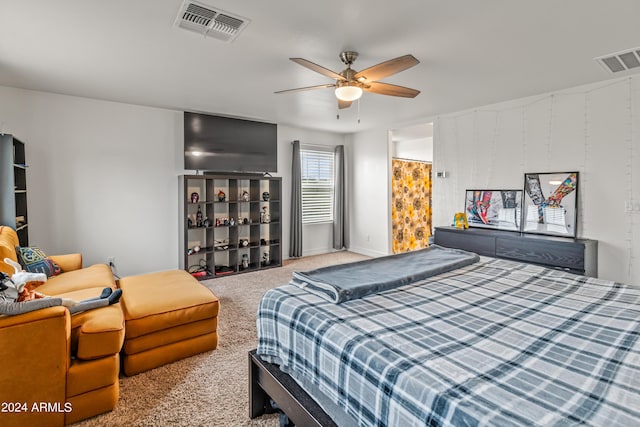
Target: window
{"x":317,"y":185}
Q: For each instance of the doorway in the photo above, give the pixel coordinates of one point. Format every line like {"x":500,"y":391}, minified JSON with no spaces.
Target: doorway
{"x":411,"y":164}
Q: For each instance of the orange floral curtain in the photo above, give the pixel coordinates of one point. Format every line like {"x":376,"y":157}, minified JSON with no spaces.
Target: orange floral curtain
{"x":411,"y":208}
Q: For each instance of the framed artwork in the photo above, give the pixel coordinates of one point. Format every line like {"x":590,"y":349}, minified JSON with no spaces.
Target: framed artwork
{"x":498,"y":209}
{"x":550,"y":203}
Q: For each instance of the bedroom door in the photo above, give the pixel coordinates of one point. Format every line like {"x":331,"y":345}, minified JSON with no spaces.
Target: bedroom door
{"x":410,"y":205}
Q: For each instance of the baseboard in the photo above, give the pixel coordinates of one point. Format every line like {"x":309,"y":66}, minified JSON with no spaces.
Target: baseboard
{"x":317,"y":251}
{"x":366,"y":251}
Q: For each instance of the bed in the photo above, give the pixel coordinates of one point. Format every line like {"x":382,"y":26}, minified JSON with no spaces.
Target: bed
{"x":495,"y":342}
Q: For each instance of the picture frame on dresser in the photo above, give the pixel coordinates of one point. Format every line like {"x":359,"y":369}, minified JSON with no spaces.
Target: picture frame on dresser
{"x":550,"y":203}
{"x":495,"y":209}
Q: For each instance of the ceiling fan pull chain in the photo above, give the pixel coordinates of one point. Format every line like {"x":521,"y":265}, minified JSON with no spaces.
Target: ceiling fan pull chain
{"x":358,"y":110}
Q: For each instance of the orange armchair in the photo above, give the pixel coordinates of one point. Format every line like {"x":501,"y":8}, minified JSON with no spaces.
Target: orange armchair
{"x":60,"y":369}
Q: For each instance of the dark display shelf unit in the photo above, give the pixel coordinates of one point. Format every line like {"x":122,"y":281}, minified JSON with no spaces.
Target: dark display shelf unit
{"x":13,"y":187}
{"x":579,"y":256}
{"x":237,"y":234}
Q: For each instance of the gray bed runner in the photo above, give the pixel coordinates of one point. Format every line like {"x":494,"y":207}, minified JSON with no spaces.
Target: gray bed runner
{"x":344,"y":282}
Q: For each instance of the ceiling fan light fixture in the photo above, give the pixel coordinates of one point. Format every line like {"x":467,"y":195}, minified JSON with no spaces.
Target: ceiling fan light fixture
{"x":348,"y":92}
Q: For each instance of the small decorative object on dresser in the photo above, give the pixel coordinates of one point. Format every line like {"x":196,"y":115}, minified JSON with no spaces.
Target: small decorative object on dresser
{"x":460,"y":220}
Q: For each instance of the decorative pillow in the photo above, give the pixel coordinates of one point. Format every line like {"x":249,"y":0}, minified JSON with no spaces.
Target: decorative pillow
{"x":34,"y":260}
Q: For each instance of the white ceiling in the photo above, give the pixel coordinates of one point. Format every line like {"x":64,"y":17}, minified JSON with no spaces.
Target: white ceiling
{"x":471,"y":53}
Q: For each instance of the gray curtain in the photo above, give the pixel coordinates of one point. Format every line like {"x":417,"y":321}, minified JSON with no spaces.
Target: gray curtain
{"x":295,"y":244}
{"x":340,"y":234}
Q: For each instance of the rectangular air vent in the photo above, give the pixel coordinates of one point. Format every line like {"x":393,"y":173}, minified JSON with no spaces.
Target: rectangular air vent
{"x":627,"y":60}
{"x":210,"y":21}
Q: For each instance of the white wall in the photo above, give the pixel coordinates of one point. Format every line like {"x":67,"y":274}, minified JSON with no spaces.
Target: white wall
{"x":414,"y":149}
{"x":369,"y":189}
{"x":102,"y":177}
{"x":316,"y":238}
{"x":593,"y":129}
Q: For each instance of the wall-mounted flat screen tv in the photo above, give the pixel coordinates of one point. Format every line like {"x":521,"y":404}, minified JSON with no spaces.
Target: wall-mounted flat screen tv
{"x":224,"y":144}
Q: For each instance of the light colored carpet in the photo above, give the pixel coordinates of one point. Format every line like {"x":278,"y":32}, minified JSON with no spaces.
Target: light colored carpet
{"x":210,"y":389}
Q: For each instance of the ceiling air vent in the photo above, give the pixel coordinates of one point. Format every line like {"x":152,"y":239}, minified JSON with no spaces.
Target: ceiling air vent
{"x":628,"y":60}
{"x":210,"y":21}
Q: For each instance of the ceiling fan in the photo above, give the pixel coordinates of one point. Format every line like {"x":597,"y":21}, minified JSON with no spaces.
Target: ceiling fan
{"x":349,"y":83}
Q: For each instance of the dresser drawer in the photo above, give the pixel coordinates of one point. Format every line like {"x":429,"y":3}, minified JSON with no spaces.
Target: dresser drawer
{"x":482,"y":245}
{"x":554,"y":254}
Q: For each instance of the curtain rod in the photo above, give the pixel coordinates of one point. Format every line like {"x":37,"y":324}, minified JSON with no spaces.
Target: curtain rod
{"x":412,"y":160}
{"x":325,"y":147}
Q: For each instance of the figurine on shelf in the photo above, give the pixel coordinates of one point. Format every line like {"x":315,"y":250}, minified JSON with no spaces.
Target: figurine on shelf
{"x":189,"y":223}
{"x":194,"y":250}
{"x":265,"y":196}
{"x":221,"y":196}
{"x":195,"y":197}
{"x":206,"y":222}
{"x":218,"y":223}
{"x":265,"y":216}
{"x":265,"y":258}
{"x":199,"y":217}
{"x":244,"y":196}
{"x":245,"y":261}
{"x":232,"y":221}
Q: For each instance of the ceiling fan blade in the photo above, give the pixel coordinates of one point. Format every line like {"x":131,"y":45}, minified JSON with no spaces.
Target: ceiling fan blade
{"x":317,"y":68}
{"x":343,"y":104}
{"x":387,"y":68}
{"x":392,"y":90}
{"x":306,"y":88}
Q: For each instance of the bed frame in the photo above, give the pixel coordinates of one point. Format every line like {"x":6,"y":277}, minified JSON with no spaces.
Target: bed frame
{"x":271,"y":390}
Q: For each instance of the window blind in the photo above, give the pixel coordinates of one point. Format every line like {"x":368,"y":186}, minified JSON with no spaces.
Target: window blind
{"x":317,"y":185}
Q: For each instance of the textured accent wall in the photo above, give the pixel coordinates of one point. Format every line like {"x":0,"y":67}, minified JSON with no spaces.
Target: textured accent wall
{"x":593,"y":129}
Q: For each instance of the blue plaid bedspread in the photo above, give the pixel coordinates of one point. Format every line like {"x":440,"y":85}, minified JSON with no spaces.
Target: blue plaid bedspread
{"x":494,"y":343}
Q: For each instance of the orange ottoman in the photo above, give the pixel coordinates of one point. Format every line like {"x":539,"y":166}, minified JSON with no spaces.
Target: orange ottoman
{"x":168,"y":316}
